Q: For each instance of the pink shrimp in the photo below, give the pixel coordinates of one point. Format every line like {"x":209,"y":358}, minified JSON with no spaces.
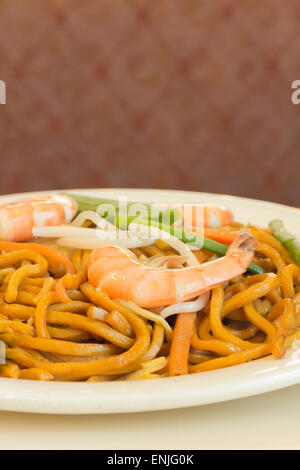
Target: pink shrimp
{"x":202,"y":215}
{"x":120,"y":275}
{"x":17,"y":218}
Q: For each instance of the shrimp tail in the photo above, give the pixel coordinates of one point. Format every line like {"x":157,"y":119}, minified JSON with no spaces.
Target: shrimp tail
{"x":243,"y":248}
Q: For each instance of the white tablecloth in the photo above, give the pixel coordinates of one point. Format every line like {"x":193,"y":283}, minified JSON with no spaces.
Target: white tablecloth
{"x":267,"y":421}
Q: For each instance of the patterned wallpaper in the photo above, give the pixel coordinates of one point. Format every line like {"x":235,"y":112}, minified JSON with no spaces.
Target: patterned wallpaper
{"x":187,"y":94}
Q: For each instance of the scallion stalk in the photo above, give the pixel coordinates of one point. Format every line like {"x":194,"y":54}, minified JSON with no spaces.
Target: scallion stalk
{"x":289,"y":241}
{"x":197,"y":240}
{"x":110,"y":210}
{"x":164,"y":220}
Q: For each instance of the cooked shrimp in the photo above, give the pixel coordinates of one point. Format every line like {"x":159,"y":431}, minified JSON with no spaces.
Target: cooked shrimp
{"x":120,"y":275}
{"x":202,"y":215}
{"x":17,"y":218}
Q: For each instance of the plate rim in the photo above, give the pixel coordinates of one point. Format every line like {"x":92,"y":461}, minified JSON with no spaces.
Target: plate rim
{"x":202,"y":193}
{"x":35,"y":400}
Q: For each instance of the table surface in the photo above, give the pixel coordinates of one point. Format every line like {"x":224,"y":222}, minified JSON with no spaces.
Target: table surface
{"x":268,"y":421}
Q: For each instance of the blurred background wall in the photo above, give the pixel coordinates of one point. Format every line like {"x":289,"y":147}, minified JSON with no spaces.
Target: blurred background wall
{"x":181,"y":94}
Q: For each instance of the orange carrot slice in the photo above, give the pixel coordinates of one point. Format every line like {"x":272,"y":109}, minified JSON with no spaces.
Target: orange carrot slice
{"x":181,"y":342}
{"x":221,"y":236}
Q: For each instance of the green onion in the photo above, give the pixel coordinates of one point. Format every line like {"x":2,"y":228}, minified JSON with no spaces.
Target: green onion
{"x":162,"y":219}
{"x":197,"y":240}
{"x":289,"y":241}
{"x":119,"y":212}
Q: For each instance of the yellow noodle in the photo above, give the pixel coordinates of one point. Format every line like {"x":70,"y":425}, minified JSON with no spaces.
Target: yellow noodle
{"x":35,"y":374}
{"x":99,"y":378}
{"x":220,"y":347}
{"x":17,"y":326}
{"x":117,"y":321}
{"x":47,"y":287}
{"x":216,"y":324}
{"x":69,"y":334}
{"x":23,"y":312}
{"x":98,"y":367}
{"x":287,"y":276}
{"x":271,"y":253}
{"x":53,"y":345}
{"x":249,"y":317}
{"x":76,"y":259}
{"x":255,"y":291}
{"x":234,"y":359}
{"x":156,"y":343}
{"x":37,"y":269}
{"x":148,"y":315}
{"x":9,"y":370}
{"x":204,"y":329}
{"x":40,"y":316}
{"x":76,"y":306}
{"x":33,"y":289}
{"x":268,"y":239}
{"x":259,"y":321}
{"x":245,"y":333}
{"x":147,"y":369}
{"x":95,"y":327}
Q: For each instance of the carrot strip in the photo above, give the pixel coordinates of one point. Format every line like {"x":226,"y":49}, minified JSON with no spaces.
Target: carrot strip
{"x":51,"y":253}
{"x":181,"y":341}
{"x":221,"y":236}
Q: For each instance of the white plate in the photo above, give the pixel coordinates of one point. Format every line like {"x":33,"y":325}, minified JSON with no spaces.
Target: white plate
{"x":234,"y":382}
